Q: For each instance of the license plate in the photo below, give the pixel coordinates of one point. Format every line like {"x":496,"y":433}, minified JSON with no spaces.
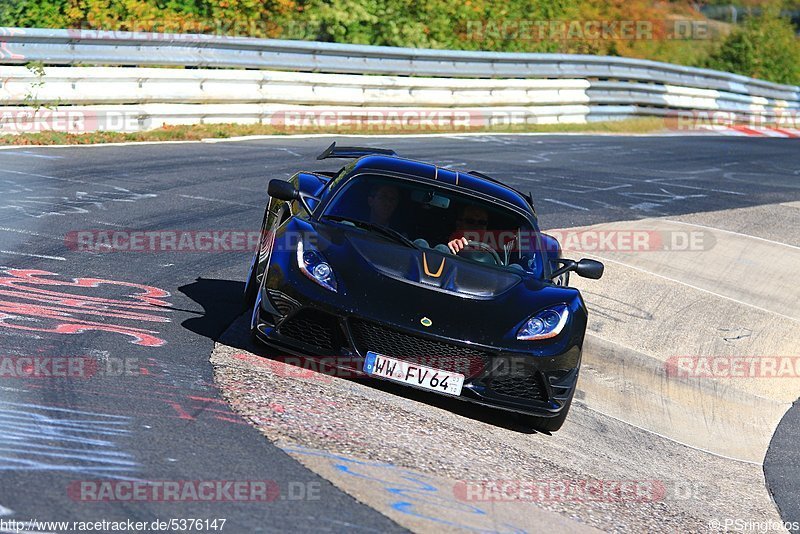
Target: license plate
{"x":411,"y":373}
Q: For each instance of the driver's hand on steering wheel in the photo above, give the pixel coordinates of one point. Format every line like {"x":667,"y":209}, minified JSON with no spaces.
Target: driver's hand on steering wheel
{"x":457,"y":244}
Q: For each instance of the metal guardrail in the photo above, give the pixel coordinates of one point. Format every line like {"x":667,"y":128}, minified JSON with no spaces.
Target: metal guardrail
{"x":82,"y":47}
{"x":218,"y":72}
{"x":111,"y":85}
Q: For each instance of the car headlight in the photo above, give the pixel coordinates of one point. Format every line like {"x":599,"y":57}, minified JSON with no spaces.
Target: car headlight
{"x":545,"y":324}
{"x":315,"y":267}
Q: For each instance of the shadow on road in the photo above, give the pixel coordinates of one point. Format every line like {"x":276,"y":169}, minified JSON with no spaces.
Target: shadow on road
{"x":221,"y":301}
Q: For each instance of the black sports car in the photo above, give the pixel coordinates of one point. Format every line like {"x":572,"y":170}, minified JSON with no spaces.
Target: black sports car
{"x":434,"y":278}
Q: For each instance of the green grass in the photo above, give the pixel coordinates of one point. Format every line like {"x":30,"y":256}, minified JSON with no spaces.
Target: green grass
{"x":222,"y":131}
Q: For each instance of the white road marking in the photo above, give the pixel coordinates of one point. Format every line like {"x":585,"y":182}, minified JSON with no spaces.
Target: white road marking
{"x":605,"y":204}
{"x":454,"y":136}
{"x":27,"y":154}
{"x":649,"y":202}
{"x":288,"y":151}
{"x":70,"y":180}
{"x":645,"y":206}
{"x":573,"y":206}
{"x":220,"y":201}
{"x":539,"y":159}
{"x":104,"y":223}
{"x":743,"y":303}
{"x":662,"y":181}
{"x":732,"y":232}
{"x":41,"y":256}
{"x":703,"y":188}
{"x":94,"y":145}
{"x":586,"y":188}
{"x":28,"y":232}
{"x":696,"y":171}
{"x":35,"y":175}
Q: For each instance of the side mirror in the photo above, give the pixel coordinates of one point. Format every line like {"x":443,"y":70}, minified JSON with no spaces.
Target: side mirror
{"x":585,"y":268}
{"x":589,"y":269}
{"x":282,"y":190}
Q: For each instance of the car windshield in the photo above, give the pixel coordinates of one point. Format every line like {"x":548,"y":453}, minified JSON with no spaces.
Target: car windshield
{"x":428,"y":216}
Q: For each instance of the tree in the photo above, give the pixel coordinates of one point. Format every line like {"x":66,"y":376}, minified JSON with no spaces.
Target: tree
{"x":764,"y":47}
{"x":31,"y":13}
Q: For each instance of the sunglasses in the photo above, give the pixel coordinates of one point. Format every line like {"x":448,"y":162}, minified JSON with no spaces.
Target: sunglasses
{"x":476,"y":222}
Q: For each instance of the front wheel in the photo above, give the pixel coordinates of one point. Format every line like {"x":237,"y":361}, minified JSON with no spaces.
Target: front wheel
{"x":261,"y":254}
{"x":254,"y":317}
{"x":251,"y":286}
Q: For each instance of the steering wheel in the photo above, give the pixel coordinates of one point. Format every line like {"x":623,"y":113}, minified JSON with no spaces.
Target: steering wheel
{"x":484,"y":249}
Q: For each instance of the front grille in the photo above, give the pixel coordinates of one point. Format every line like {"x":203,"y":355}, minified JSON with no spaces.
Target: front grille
{"x":369,"y":336}
{"x":314,"y":328}
{"x":521,"y":386}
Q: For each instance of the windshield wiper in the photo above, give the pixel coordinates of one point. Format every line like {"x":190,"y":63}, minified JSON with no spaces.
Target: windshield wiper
{"x":383,"y":230}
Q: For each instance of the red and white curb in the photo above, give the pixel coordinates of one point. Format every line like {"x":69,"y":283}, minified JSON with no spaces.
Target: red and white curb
{"x":745,"y":131}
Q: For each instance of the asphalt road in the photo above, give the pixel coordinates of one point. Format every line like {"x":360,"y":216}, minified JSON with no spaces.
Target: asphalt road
{"x":146,"y":321}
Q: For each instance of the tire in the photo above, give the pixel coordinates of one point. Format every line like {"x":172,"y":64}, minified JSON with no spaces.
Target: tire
{"x":253,"y":319}
{"x":252,"y":285}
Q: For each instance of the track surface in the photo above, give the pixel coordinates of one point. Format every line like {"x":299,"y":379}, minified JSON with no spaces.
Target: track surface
{"x":168,"y":422}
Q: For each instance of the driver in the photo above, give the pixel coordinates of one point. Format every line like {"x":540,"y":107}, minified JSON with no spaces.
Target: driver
{"x":382,"y":201}
{"x":472,"y":218}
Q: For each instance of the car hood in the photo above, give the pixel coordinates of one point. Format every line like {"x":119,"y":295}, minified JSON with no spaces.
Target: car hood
{"x":432,"y":269}
{"x":396,"y":284}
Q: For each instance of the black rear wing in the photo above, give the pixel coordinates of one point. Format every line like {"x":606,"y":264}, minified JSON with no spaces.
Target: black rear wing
{"x":334,"y":151}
